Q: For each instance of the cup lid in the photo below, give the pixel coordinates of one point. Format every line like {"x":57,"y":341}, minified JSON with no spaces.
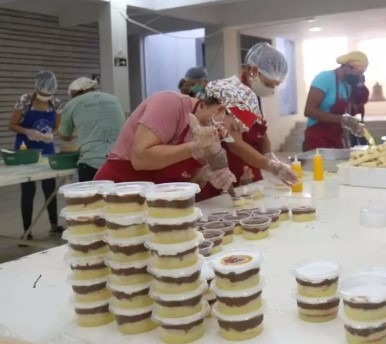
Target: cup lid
{"x":236,"y":293}
{"x":127,"y":241}
{"x":85,"y":189}
{"x":130,"y":312}
{"x":176,"y":273}
{"x":128,"y":289}
{"x":182,"y":296}
{"x":85,"y":283}
{"x":197,"y":214}
{"x":364,"y":287}
{"x":172,"y":191}
{"x":184,"y":320}
{"x":173,"y":249}
{"x":90,"y":305}
{"x":236,"y":318}
{"x":237,"y":261}
{"x":124,"y":190}
{"x":127,"y":220}
{"x":317,"y":271}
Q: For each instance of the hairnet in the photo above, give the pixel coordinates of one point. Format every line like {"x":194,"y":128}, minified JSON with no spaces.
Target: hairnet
{"x":196,"y":73}
{"x":81,"y":84}
{"x":354,"y":58}
{"x":269,"y":61}
{"x":45,"y":81}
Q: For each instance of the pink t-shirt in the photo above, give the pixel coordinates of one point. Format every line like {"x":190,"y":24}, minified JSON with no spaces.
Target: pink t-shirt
{"x":165,"y":114}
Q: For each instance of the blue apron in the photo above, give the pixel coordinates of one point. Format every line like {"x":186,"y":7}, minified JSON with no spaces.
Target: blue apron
{"x":43,"y":121}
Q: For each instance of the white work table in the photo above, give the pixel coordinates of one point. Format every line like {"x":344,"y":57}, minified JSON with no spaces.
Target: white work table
{"x":10,"y":175}
{"x":41,"y":313}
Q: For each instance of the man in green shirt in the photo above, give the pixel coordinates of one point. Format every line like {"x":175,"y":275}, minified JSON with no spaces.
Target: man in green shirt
{"x":97,"y":118}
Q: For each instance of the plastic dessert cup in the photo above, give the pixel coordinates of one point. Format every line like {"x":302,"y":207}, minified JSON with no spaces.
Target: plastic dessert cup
{"x":225,"y":226}
{"x":256,"y":228}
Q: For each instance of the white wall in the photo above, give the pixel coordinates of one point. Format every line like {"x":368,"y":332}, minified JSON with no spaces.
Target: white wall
{"x":168,"y":58}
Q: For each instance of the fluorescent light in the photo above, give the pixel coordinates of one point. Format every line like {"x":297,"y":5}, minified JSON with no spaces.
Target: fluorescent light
{"x":315,"y":29}
{"x":310,"y":20}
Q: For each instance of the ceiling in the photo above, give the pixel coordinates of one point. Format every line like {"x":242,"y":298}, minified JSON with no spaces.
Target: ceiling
{"x":277,"y":17}
{"x":370,"y":24}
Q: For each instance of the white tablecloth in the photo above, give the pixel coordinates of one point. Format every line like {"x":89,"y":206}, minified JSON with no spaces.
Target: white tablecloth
{"x":44,"y":312}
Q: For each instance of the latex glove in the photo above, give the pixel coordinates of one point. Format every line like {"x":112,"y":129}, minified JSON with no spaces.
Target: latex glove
{"x":34,"y":135}
{"x":47,"y":137}
{"x":201,"y":153}
{"x":353,"y":125}
{"x":221,"y":179}
{"x":271,"y":156}
{"x":282,"y":171}
{"x":247,"y":177}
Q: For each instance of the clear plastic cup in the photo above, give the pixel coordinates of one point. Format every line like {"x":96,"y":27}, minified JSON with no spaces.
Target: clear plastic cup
{"x":256,"y":228}
{"x":217,"y":215}
{"x":216,"y":236}
{"x":205,"y":248}
{"x":273,"y":213}
{"x":226,"y":226}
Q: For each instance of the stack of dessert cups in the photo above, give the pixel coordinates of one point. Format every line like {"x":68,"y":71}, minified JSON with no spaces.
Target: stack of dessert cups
{"x":238,"y":288}
{"x":129,"y":282}
{"x":175,"y":263}
{"x":364,"y":311}
{"x":87,"y":250}
{"x":316,"y":295}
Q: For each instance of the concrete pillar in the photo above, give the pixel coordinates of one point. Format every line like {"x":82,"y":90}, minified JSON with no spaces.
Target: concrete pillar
{"x":222,"y":52}
{"x":113,"y":45}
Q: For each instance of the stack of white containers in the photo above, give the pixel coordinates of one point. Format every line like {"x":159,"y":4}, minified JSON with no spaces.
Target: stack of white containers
{"x":87,"y":251}
{"x":175,"y":263}
{"x":129,"y":282}
{"x":238,"y":290}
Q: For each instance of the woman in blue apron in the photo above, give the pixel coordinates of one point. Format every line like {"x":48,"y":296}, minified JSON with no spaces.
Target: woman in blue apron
{"x":34,"y":120}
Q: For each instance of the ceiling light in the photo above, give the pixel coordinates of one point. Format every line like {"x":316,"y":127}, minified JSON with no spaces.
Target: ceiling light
{"x":310,"y":20}
{"x":315,"y":29}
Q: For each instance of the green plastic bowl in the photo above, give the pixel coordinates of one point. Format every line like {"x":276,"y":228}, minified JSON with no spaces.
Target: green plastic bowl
{"x":21,"y":157}
{"x":63,"y":161}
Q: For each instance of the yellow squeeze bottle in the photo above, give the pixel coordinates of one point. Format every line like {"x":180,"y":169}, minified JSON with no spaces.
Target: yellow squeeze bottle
{"x":297,"y":168}
{"x":318,"y":165}
{"x":23,"y":146}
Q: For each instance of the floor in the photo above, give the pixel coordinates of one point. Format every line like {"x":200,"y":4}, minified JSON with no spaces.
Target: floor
{"x":11,"y":225}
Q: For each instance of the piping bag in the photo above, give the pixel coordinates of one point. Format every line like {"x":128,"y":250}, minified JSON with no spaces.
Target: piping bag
{"x":215,"y":161}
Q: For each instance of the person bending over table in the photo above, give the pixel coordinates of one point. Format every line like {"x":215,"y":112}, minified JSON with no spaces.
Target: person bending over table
{"x":34,"y":119}
{"x":264,"y":69}
{"x":156,"y":143}
{"x":327,"y":106}
{"x":97,"y":117}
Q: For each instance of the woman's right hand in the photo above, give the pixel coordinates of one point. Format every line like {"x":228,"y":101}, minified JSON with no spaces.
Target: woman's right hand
{"x":352,"y":124}
{"x":33,"y":135}
{"x":283,"y":172}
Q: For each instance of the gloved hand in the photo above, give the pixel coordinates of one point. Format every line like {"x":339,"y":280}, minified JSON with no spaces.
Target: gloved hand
{"x":247,"y":177}
{"x":221,"y":179}
{"x":352,"y":124}
{"x":47,"y":137}
{"x":34,"y":135}
{"x":281,"y":171}
{"x":271,"y":156}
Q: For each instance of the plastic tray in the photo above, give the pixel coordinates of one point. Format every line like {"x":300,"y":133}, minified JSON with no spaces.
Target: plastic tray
{"x":370,"y":177}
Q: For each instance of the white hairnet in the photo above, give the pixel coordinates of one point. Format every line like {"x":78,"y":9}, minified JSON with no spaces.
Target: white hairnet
{"x":81,"y":84}
{"x":45,"y":82}
{"x":196,"y":73}
{"x":269,"y":61}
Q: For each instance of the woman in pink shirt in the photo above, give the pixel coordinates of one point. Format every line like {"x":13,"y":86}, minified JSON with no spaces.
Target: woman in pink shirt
{"x":156,"y":143}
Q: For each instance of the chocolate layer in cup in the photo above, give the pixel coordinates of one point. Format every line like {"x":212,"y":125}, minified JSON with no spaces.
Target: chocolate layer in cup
{"x":235,"y":277}
{"x":179,"y":280}
{"x":129,"y":271}
{"x":365,"y":305}
{"x":240,"y":326}
{"x":124,"y":319}
{"x":216,"y":236}
{"x":128,"y":250}
{"x":318,"y":306}
{"x":218,"y":215}
{"x":324,"y":283}
{"x":94,"y":310}
{"x":116,"y":226}
{"x":96,"y":221}
{"x":182,"y":327}
{"x":85,"y":248}
{"x":85,"y":201}
{"x":238,"y":301}
{"x":224,"y":226}
{"x":130,"y":198}
{"x":176,"y":204}
{"x":86,"y":289}
{"x":183,"y":303}
{"x":120,"y":295}
{"x":160,"y":228}
{"x":205,"y":248}
{"x":365,"y":332}
{"x":303,"y":210}
{"x":88,"y":267}
{"x":256,"y":224}
{"x":273,"y":213}
{"x":236,"y":219}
